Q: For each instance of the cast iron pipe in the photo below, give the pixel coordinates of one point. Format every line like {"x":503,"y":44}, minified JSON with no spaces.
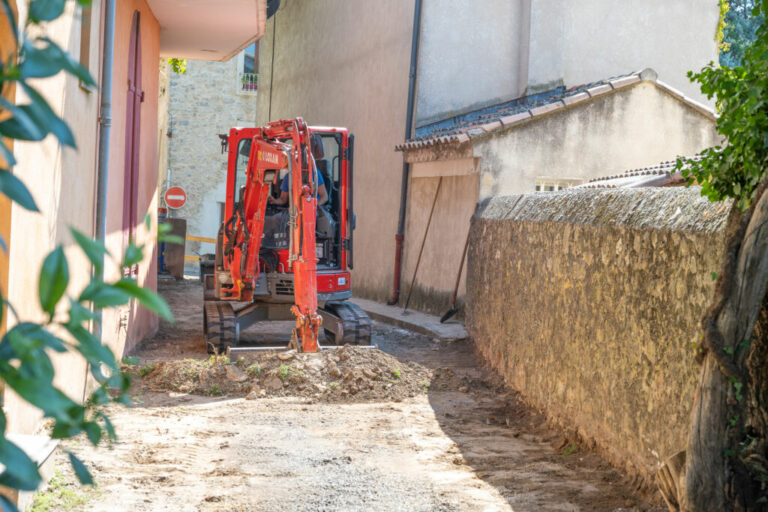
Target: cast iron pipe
{"x":400,"y":236}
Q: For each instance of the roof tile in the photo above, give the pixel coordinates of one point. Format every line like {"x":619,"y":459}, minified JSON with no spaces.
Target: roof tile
{"x":545,"y":109}
{"x":516,"y":118}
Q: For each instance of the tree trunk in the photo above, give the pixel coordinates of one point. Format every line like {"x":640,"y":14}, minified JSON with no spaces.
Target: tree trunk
{"x":725,"y":460}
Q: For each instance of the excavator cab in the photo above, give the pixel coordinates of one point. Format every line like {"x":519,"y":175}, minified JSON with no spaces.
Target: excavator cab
{"x":236,"y":298}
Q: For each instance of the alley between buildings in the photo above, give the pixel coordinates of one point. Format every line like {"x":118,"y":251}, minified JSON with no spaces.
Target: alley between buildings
{"x":457,"y":441}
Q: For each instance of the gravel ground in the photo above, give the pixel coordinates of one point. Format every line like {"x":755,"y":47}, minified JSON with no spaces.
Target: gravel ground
{"x":469,"y":445}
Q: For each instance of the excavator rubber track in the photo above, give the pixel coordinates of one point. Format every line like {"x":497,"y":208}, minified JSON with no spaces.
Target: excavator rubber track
{"x":356,"y":323}
{"x":219,"y":326}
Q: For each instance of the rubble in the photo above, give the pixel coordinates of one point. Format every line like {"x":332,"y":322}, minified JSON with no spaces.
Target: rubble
{"x":344,"y":375}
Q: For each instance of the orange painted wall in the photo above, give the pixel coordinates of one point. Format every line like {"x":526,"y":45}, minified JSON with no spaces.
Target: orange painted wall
{"x":119,"y":334}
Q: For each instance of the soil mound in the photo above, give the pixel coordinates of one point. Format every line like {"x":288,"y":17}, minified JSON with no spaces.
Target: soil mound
{"x":344,"y":375}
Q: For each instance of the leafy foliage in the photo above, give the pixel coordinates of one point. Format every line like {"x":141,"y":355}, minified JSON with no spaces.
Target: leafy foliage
{"x":734,"y":169}
{"x":179,"y":66}
{"x":739,"y":30}
{"x":25,"y":350}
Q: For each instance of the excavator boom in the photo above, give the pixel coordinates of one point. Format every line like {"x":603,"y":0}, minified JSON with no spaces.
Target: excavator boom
{"x":270,"y":152}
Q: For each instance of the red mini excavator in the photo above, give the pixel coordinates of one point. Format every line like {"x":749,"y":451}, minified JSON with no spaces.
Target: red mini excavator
{"x":292,"y":261}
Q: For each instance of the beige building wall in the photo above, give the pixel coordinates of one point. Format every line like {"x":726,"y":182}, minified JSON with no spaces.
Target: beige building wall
{"x":63,"y":183}
{"x":444,"y":242}
{"x":597,"y":39}
{"x":203,"y":103}
{"x":343,"y":63}
{"x":632,"y":128}
{"x":472,"y":54}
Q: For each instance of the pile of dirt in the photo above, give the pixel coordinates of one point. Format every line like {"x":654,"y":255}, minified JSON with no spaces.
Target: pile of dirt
{"x":344,"y":375}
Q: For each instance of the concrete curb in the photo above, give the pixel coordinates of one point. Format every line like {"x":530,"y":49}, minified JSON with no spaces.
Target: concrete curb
{"x":422,"y":323}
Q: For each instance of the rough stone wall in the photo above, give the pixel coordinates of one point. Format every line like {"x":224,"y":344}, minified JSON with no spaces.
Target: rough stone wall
{"x":203,"y":103}
{"x":589,"y":303}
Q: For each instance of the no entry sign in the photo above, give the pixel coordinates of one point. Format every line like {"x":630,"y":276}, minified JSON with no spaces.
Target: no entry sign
{"x":175,"y":197}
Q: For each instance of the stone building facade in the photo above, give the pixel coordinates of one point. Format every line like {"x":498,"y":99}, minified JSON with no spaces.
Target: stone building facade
{"x":203,"y":102}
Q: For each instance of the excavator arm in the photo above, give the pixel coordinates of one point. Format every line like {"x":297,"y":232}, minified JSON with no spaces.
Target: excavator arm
{"x":279,"y":145}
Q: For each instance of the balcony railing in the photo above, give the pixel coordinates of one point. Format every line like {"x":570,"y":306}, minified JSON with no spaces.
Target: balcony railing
{"x":247,"y":83}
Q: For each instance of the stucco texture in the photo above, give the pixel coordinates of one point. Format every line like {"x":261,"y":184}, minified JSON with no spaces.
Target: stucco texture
{"x":670,"y":37}
{"x":471,"y":54}
{"x":436,"y":276}
{"x":63,"y":183}
{"x":630,"y":128}
{"x":203,"y":103}
{"x":125,"y":327}
{"x":342,"y":63}
{"x":589,"y":302}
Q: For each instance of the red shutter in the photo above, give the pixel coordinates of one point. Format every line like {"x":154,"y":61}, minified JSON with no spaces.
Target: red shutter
{"x":132,"y":134}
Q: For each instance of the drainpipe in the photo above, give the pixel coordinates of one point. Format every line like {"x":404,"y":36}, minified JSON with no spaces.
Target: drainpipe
{"x":105,"y":124}
{"x":400,"y":236}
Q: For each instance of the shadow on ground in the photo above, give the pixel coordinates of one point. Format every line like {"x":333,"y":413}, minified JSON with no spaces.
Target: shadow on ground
{"x":502,"y":441}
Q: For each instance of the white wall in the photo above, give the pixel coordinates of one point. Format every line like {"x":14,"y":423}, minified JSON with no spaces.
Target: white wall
{"x":596,"y":39}
{"x":472,"y":53}
{"x":632,"y":128}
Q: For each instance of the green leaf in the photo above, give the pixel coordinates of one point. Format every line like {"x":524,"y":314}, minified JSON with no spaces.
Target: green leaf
{"x":45,"y":10}
{"x":78,"y":314}
{"x":48,"y":60}
{"x":7,"y":155}
{"x":92,"y":349}
{"x":26,"y":336}
{"x":6,"y":505}
{"x":148,"y":221}
{"x":148,"y":298}
{"x":54,"y":278}
{"x":93,"y":431}
{"x":108,"y":426}
{"x":104,"y":295}
{"x":26,"y":122}
{"x":20,"y":471}
{"x":17,"y":127}
{"x":80,"y":470}
{"x":133,"y":255}
{"x":16,"y":191}
{"x":45,"y":116}
{"x":94,"y":250}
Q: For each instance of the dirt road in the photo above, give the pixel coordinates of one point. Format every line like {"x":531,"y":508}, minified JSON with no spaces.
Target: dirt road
{"x":468,"y":447}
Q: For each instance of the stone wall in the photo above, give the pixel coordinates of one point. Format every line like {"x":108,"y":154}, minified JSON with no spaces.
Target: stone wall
{"x":588,"y":302}
{"x":203,"y":102}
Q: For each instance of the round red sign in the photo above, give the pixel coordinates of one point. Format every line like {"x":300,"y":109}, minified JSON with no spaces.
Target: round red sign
{"x":175,"y":197}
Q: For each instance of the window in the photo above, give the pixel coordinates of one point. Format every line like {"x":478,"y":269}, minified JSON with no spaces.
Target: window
{"x":547,"y":184}
{"x":248,"y":69}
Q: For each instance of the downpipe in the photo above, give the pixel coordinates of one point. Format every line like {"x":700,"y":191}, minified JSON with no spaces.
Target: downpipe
{"x":105,"y":125}
{"x":400,"y":236}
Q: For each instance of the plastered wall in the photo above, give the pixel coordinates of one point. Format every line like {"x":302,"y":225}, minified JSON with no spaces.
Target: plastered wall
{"x":628,"y":129}
{"x":589,"y":302}
{"x":341,"y":63}
{"x":471,"y":54}
{"x":596,"y":39}
{"x":63,"y":183}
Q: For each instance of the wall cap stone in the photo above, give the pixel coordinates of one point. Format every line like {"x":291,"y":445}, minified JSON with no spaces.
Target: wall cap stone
{"x":669,"y":209}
